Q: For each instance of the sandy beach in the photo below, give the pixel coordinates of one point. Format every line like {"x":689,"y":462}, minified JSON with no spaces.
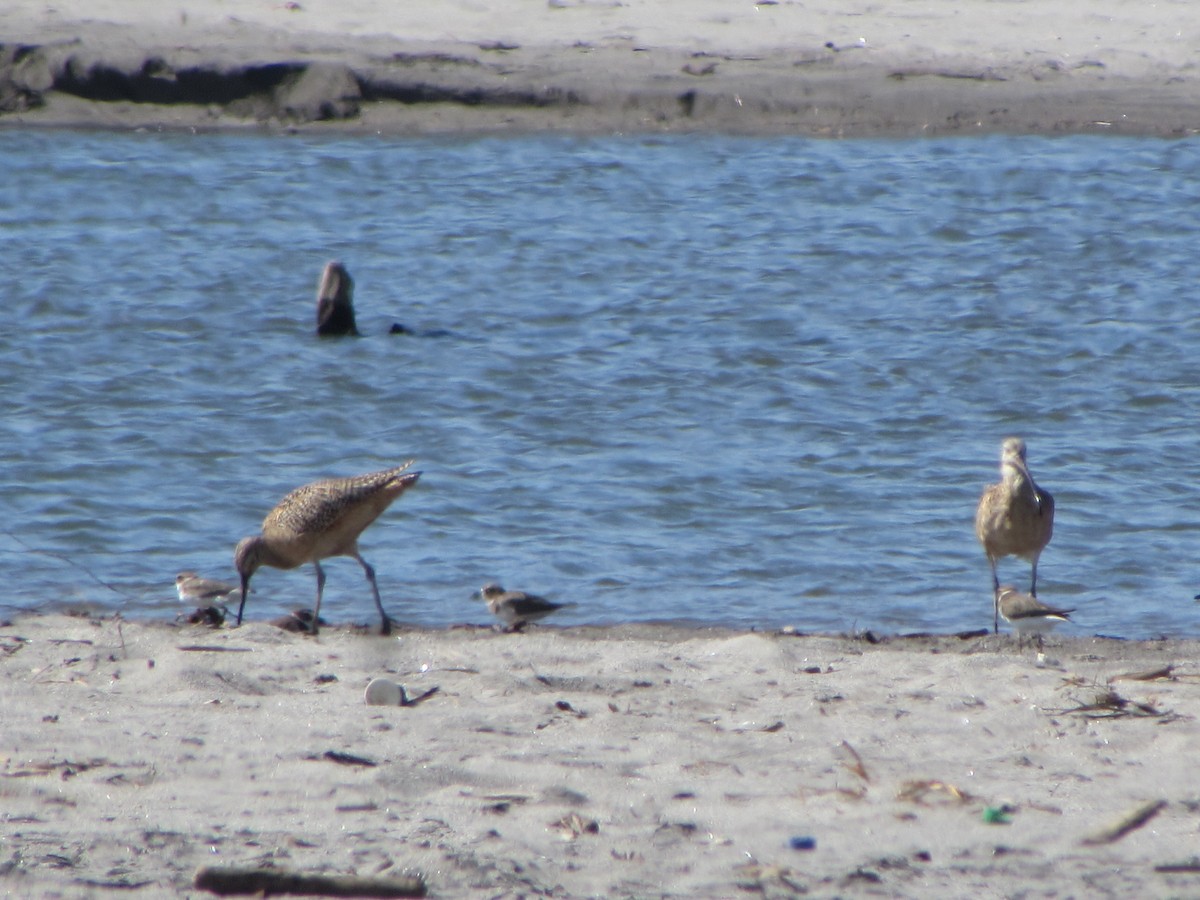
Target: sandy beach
{"x":625,"y":761}
{"x":602,"y":66}
{"x":639,"y":761}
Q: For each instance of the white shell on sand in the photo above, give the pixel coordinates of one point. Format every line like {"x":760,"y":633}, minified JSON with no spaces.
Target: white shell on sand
{"x":382,"y":692}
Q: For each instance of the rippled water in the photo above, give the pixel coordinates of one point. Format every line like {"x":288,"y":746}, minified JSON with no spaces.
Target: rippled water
{"x":736,"y":381}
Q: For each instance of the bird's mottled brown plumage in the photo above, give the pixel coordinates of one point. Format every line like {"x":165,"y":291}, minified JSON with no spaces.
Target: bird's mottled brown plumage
{"x":1015,"y":517}
{"x":320,"y":520}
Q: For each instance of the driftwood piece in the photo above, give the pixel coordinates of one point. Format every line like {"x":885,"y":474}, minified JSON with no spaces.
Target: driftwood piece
{"x":267,"y":882}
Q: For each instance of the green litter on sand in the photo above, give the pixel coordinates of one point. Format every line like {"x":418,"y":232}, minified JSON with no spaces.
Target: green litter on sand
{"x":997,"y":815}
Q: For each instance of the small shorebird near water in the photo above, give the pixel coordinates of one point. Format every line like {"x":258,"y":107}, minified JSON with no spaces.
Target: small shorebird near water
{"x":517,"y":608}
{"x":320,"y":520}
{"x":1028,"y":615}
{"x":1015,"y":518}
{"x":202,"y":591}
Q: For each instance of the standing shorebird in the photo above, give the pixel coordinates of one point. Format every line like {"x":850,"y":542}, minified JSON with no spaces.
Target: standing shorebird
{"x":1028,"y":615}
{"x":517,"y":608}
{"x":1015,"y":517}
{"x":321,"y":520}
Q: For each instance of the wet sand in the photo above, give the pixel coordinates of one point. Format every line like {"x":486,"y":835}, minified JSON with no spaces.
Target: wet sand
{"x":602,"y":66}
{"x":637,"y":761}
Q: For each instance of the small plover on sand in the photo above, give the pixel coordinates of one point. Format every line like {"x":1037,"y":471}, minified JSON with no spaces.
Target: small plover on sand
{"x":517,"y":608}
{"x":202,"y":591}
{"x":1028,"y":615}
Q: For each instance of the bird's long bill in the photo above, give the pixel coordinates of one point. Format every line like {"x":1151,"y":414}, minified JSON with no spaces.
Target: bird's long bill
{"x":1019,"y":464}
{"x":242,"y":605}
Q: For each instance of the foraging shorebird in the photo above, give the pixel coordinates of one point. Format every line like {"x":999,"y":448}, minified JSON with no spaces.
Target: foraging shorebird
{"x":1015,"y":517}
{"x":202,"y":591}
{"x":1028,"y":615}
{"x":335,"y":302}
{"x":517,"y":608}
{"x":320,"y":520}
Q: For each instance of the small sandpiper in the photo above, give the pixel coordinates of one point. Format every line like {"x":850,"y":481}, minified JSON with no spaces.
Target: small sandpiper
{"x":202,"y":591}
{"x":1027,"y":614}
{"x":517,"y":608}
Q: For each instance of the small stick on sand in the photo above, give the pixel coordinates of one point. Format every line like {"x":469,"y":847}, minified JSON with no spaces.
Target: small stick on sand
{"x":1129,"y":822}
{"x":266,"y":882}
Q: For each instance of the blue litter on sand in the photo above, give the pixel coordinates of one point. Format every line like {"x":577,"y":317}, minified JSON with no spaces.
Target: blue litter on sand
{"x":802,"y":842}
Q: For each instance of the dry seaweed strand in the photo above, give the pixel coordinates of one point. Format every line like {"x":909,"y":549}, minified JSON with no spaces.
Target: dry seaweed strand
{"x":1108,"y":704}
{"x":917,"y":791}
{"x":854,"y":764}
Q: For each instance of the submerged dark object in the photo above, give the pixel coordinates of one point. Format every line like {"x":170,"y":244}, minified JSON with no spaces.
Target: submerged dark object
{"x":335,"y":302}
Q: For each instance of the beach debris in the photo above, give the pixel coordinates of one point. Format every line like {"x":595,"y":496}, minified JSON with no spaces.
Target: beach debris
{"x":298,"y":621}
{"x":499,"y":804}
{"x":210,"y":616}
{"x":756,"y":878}
{"x":986,"y":74}
{"x":229,"y":881}
{"x":385,"y":692}
{"x":65,"y":768}
{"x":564,"y":706}
{"x":212,"y":648}
{"x":998,"y":815}
{"x":1164,"y":672}
{"x":802,"y":842}
{"x":851,"y":761}
{"x":346,"y":759}
{"x":369,"y":806}
{"x":1188,"y":865}
{"x":919,"y":791}
{"x":1131,"y":821}
{"x":572,"y":825}
{"x":1108,"y":704}
{"x":860,"y":44}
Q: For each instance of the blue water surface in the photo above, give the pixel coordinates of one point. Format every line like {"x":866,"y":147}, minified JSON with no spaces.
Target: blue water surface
{"x":737,"y":381}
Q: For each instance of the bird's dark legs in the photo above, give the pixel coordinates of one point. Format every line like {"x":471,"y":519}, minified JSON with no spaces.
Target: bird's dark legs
{"x":995,"y":597}
{"x":386,"y":626}
{"x":320,"y":590}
